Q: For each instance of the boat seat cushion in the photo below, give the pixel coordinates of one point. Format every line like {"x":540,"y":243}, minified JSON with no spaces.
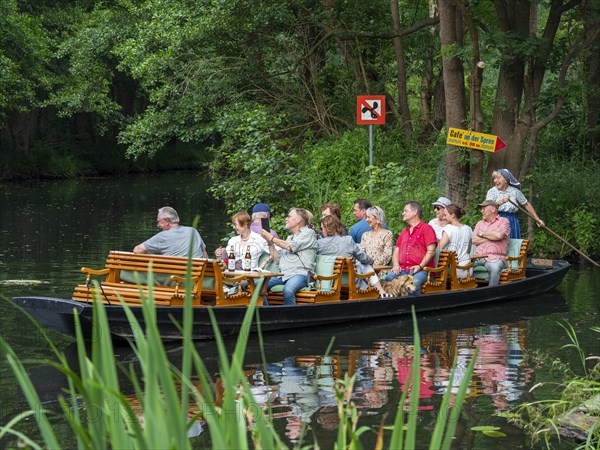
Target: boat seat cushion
{"x":514,"y":250}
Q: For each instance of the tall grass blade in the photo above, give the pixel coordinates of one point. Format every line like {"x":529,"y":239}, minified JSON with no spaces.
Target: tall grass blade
{"x":30,"y":394}
{"x":413,"y":410}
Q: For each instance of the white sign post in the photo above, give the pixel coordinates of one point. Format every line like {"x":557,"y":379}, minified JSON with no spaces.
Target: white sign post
{"x":370,"y":110}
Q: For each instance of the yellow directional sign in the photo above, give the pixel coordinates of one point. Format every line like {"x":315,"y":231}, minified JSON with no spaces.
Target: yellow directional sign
{"x":472,"y":139}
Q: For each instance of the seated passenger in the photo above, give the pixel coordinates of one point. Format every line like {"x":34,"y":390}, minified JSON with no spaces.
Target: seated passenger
{"x":332,"y":209}
{"x":297,"y":255}
{"x":415,"y":247}
{"x":491,"y":236}
{"x":360,"y":212}
{"x":173,"y":239}
{"x":260,"y":211}
{"x":379,"y":242}
{"x":335,"y":244}
{"x":244,"y":239}
{"x":457,"y":237}
{"x":439,"y":221}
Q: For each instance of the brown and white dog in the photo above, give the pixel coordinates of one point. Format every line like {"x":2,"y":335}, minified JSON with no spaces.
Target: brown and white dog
{"x":400,"y":287}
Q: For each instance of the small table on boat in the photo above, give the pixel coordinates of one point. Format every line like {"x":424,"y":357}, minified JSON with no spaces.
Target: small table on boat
{"x":254,"y":275}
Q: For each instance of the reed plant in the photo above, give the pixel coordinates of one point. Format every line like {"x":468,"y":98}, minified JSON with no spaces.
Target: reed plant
{"x":168,"y":401}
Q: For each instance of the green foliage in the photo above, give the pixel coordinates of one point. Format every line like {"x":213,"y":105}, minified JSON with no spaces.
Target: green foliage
{"x":565,"y":193}
{"x":254,"y":162}
{"x":24,"y":51}
{"x":577,"y":400}
{"x":584,"y":224}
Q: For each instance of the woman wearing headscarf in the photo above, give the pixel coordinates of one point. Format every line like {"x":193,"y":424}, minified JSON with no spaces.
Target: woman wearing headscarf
{"x":507,"y":187}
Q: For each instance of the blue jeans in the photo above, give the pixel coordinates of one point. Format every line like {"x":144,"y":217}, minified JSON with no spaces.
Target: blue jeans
{"x":290,"y":286}
{"x":419,"y":278}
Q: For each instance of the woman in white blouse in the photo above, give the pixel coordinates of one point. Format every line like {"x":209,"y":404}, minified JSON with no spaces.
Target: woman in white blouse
{"x":243,"y":241}
{"x":457,"y":236}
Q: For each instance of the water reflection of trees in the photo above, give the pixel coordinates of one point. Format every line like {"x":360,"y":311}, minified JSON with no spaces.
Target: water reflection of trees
{"x":300,"y":389}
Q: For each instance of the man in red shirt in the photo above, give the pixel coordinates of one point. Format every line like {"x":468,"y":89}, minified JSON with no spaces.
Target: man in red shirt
{"x":491,"y":236}
{"x":415,"y":247}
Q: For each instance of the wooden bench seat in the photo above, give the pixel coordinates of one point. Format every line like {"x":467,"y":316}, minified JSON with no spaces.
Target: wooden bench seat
{"x":455,"y":283}
{"x":111,"y":294}
{"x":125,"y":271}
{"x":437,"y":277}
{"x":218,"y":286}
{"x":328,"y":283}
{"x":516,"y":261}
{"x":351,"y":281}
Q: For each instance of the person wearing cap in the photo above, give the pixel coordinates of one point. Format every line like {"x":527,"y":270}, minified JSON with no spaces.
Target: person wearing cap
{"x":491,"y":237}
{"x":260,"y":211}
{"x":507,"y":187}
{"x":415,"y":247}
{"x":439,"y":221}
{"x":173,"y":239}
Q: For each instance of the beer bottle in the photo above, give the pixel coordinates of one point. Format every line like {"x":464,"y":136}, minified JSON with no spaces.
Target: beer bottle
{"x":247,"y":260}
{"x":231,"y":260}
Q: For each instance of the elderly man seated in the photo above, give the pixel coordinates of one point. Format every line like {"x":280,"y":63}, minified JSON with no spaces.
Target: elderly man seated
{"x":491,"y":236}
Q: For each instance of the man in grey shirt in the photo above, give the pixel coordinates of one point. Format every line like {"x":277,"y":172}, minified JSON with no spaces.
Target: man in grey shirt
{"x":297,"y":255}
{"x":173,"y":240}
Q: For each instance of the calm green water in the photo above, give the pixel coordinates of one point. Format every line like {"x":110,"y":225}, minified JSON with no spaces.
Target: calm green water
{"x":49,"y":230}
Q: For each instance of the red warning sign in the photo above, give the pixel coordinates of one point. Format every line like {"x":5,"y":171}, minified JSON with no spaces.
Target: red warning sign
{"x":370,"y":109}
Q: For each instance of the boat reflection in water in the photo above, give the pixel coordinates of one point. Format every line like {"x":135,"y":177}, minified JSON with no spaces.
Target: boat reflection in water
{"x":300,"y":389}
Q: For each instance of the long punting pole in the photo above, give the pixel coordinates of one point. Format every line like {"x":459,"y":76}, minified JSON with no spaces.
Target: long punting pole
{"x":555,"y":234}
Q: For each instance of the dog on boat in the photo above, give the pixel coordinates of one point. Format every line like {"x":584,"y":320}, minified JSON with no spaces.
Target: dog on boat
{"x":400,"y":287}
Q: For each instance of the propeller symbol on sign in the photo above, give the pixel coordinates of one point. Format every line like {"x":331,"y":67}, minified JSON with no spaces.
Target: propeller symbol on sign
{"x":372,"y":110}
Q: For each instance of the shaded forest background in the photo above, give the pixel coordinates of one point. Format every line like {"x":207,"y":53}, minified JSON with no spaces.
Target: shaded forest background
{"x":262,"y":95}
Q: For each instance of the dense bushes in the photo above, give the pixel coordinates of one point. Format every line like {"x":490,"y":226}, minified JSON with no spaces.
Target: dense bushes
{"x":255,"y":163}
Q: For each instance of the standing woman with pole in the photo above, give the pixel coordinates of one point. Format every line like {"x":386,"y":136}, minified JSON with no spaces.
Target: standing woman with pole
{"x":507,"y":192}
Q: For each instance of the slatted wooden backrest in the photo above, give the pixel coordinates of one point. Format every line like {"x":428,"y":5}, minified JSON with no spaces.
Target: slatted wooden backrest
{"x":438,"y":283}
{"x":457,"y":283}
{"x":124,"y":264}
{"x":351,"y":283}
{"x":125,"y":270}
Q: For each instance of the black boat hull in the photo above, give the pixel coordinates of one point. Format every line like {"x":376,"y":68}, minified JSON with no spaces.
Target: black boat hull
{"x":58,"y":313}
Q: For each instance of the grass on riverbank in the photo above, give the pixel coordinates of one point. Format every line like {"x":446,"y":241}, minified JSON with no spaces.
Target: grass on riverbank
{"x":575,"y":412}
{"x":169,"y":401}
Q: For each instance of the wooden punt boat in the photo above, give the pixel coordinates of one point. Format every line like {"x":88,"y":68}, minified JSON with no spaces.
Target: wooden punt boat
{"x":58,"y":313}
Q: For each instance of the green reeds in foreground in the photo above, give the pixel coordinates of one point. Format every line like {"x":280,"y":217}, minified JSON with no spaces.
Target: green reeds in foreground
{"x":159,"y":415}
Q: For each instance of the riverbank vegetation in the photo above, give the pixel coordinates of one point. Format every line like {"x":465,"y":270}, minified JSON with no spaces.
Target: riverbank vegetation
{"x":265,"y":94}
{"x":567,"y":397}
{"x":168,"y":405}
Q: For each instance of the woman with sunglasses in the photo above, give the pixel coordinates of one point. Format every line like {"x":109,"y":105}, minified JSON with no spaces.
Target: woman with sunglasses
{"x":439,"y":221}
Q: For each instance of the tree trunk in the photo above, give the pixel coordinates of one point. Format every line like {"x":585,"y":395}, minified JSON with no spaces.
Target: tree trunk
{"x":513,"y":17}
{"x":475,"y":80}
{"x":591,"y":69}
{"x":21,"y":128}
{"x":428,"y":85}
{"x":454,"y":91}
{"x":401,"y":72}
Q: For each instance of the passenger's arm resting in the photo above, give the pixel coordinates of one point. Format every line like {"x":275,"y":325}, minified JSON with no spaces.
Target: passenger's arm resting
{"x":428,"y":255}
{"x":140,"y":249}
